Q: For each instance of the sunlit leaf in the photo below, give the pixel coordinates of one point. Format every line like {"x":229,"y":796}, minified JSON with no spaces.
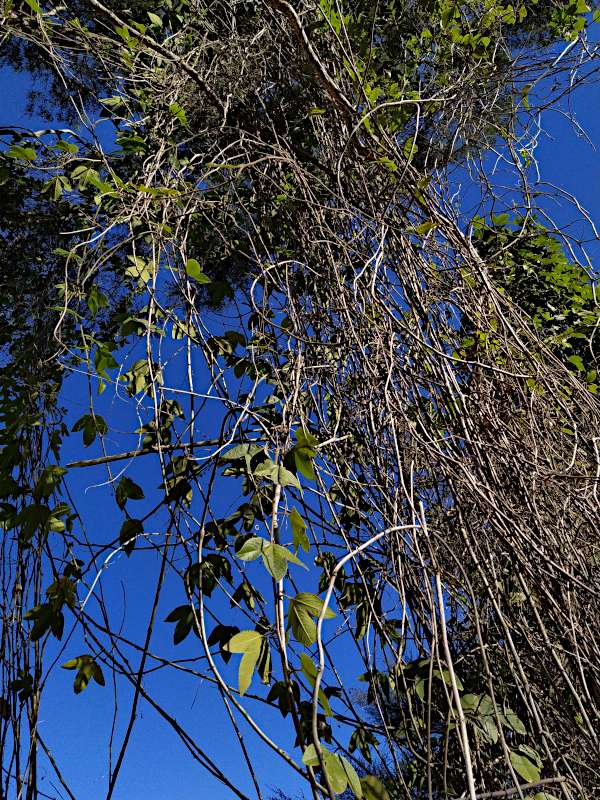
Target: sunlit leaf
{"x":299,"y":531}
{"x":194,"y":270}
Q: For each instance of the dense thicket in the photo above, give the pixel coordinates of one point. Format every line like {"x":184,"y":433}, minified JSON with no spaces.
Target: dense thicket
{"x":370,"y":413}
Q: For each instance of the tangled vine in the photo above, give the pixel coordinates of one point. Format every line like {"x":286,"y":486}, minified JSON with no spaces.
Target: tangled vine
{"x":371,"y":413}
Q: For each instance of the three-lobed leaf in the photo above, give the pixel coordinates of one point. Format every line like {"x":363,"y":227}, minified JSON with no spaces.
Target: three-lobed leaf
{"x":303,"y":607}
{"x":87,"y":668}
{"x":90,"y":425}
{"x":275,"y":557}
{"x":252,"y":646}
{"x":127,"y":490}
{"x":276,"y":473}
{"x":185,"y":617}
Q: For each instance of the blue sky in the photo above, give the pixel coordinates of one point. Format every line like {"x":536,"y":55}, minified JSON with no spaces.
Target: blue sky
{"x":157,"y":765}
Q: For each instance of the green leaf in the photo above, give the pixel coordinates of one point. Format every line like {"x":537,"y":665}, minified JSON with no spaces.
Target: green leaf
{"x":140,"y":270}
{"x":22,"y":153}
{"x":425,"y":227}
{"x":373,"y":788}
{"x":185,"y":619}
{"x":289,"y":556}
{"x":513,"y":721}
{"x":287,"y":478}
{"x":82,"y":678}
{"x":264,"y":662}
{"x":280,"y":554}
{"x":310,"y":671}
{"x":577,"y":363}
{"x":307,"y":439}
{"x":250,"y":644}
{"x":86,"y":175}
{"x":98,"y":675}
{"x":96,"y":300}
{"x":139,"y":377}
{"x":313,"y":604}
{"x":128,"y":490}
{"x":87,"y":668}
{"x":304,"y":452}
{"x":194,"y":270}
{"x":221,"y":635}
{"x":274,"y":559}
{"x":529,"y":771}
{"x":181,"y":330}
{"x":301,"y":610}
{"x":104,"y":359}
{"x":310,"y":757}
{"x":130,"y":530}
{"x":177,"y":614}
{"x":33,"y":517}
{"x":444,"y":675}
{"x":251,"y":549}
{"x":481,"y":708}
{"x":275,"y":556}
{"x":335,"y":772}
{"x":299,"y":531}
{"x":243,"y":641}
{"x":241,"y":451}
{"x":353,"y":779}
{"x":91,"y":425}
{"x":111,"y":101}
{"x":155,"y":19}
{"x":419,"y":688}
{"x":178,"y":112}
{"x":389,"y":164}
{"x":276,"y":473}
{"x":267,"y":470}
{"x":304,"y":465}
{"x":410,"y":149}
{"x":302,"y":625}
{"x":49,"y":481}
{"x":46,"y":618}
{"x":532,"y":754}
{"x":363,"y":739}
